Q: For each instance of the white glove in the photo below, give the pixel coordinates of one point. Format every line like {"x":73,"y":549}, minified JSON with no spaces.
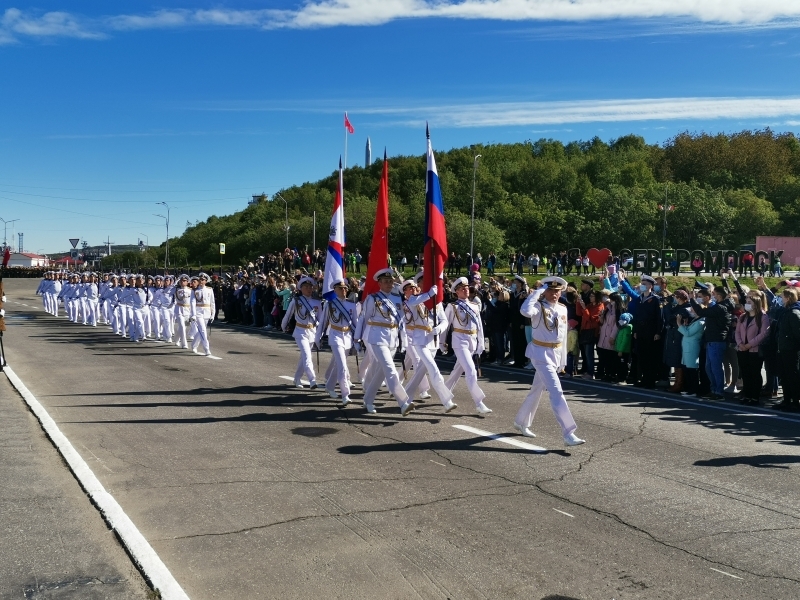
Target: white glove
{"x":3,"y":299}
{"x":2,"y":312}
{"x":433,"y":291}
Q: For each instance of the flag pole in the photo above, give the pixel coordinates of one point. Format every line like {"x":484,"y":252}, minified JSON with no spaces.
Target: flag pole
{"x":345,"y":141}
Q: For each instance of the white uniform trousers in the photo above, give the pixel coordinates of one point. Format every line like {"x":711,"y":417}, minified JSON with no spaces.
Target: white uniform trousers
{"x":72,"y":309}
{"x":305,"y":365}
{"x":201,"y":337}
{"x":338,"y":372}
{"x":85,"y":310}
{"x":382,"y":368}
{"x":155,"y":321}
{"x":131,"y":332}
{"x":412,"y":361}
{"x":363,"y":368}
{"x":119,"y":319}
{"x":92,"y":310}
{"x":193,"y":330}
{"x":426,"y":367}
{"x":465,"y":364}
{"x":137,"y":332}
{"x":55,"y":305}
{"x":180,"y":320}
{"x":546,"y":378}
{"x":166,"y":323}
{"x":46,"y":302}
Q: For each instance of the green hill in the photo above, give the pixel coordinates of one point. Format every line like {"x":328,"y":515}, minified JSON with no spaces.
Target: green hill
{"x":543,"y":196}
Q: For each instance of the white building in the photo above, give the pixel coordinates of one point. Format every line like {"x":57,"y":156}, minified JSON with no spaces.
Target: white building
{"x":28,"y":259}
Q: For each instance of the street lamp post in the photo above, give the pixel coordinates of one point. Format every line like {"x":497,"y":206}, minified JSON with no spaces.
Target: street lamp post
{"x":5,"y":229}
{"x":166,"y":250}
{"x":167,"y":221}
{"x":286,"y":225}
{"x":472,"y":235}
{"x":147,"y":240}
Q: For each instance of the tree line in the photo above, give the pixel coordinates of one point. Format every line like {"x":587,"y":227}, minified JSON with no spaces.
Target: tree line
{"x":543,"y":196}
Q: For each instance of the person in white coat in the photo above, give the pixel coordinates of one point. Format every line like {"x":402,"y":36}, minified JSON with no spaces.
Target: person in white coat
{"x":305,"y":310}
{"x":408,"y":290}
{"x":338,"y":319}
{"x":423,"y":331}
{"x":379,"y":326}
{"x":203,"y":309}
{"x":548,"y":353}
{"x":464,"y":317}
{"x":183,"y":310}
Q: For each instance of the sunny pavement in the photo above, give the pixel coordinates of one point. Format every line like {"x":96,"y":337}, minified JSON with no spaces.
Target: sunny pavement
{"x":249,"y":488}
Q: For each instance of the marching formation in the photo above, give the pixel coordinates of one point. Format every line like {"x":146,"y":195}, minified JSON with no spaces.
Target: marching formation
{"x":134,"y":306}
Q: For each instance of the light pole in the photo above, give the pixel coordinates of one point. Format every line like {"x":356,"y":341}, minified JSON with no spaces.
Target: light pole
{"x":5,"y":229}
{"x":166,"y":250}
{"x":472,"y":235}
{"x":286,"y":225}
{"x":147,"y":240}
{"x":167,"y":221}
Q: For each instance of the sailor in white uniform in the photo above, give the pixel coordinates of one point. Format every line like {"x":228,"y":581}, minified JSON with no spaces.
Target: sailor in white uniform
{"x":55,"y":292}
{"x":464,"y":317}
{"x":423,"y":331}
{"x":338,"y":319}
{"x":167,"y":305}
{"x":379,"y":325}
{"x":183,"y":310}
{"x":408,"y":290}
{"x":548,"y":353}
{"x":305,"y":311}
{"x":203,"y":309}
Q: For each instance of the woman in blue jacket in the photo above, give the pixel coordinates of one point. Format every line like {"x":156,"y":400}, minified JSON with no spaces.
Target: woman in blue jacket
{"x":692,"y":330}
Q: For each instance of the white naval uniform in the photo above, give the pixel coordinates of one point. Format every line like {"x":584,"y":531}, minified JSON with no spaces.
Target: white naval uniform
{"x":338,"y":318}
{"x":379,"y":325}
{"x":548,"y":353}
{"x":183,"y":311}
{"x":120,"y":311}
{"x":91,"y":304}
{"x":411,"y":361}
{"x":422,"y":336}
{"x":305,"y":311}
{"x":55,"y":292}
{"x":464,"y":316}
{"x":137,"y":300}
{"x":107,"y":302}
{"x":203,"y":312}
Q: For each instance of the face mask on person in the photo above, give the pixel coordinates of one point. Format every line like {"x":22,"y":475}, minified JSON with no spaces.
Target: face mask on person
{"x":622,"y":323}
{"x":643,"y":288}
{"x":513,"y":287}
{"x":656,"y":288}
{"x":748,"y":307}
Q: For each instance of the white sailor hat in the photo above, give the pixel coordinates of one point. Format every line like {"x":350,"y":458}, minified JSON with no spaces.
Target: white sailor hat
{"x":114,"y":276}
{"x":461,"y":281}
{"x":419,"y":275}
{"x":407,"y":283}
{"x":555,"y":283}
{"x":123,"y":276}
{"x":339,"y":283}
{"x":521,"y":279}
{"x":184,"y":276}
{"x":194,"y":278}
{"x":203,"y":276}
{"x":168,"y":277}
{"x":306,"y":280}
{"x":648,"y":279}
{"x":383,"y":273}
{"x":159,"y":278}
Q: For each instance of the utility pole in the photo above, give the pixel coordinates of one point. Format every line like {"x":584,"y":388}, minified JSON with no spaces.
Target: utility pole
{"x":472,"y":234}
{"x":166,"y":250}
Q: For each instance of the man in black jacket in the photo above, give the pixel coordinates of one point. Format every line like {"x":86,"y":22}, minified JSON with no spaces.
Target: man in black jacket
{"x":648,"y":329}
{"x":718,"y":318}
{"x":789,"y":350}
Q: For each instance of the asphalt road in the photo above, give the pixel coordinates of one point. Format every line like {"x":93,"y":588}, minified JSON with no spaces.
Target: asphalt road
{"x":249,"y":488}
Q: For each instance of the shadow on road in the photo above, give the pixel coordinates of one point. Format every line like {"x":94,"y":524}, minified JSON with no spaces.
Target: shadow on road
{"x":760,"y":461}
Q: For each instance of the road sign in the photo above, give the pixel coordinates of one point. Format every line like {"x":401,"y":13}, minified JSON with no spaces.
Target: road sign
{"x":74,"y":242}
{"x":222,"y":248}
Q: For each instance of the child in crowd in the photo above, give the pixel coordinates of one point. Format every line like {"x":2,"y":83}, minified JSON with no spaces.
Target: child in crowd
{"x":623,"y":346}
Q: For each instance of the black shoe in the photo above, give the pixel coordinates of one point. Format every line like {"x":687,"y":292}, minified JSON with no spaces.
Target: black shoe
{"x":785,"y":405}
{"x":716,"y":397}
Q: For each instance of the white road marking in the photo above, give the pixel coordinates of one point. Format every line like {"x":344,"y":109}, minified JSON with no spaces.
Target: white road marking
{"x":437,"y":463}
{"x":138,"y":547}
{"x":564,"y":513}
{"x":724,"y":573}
{"x":214,"y":357}
{"x":500,"y":438}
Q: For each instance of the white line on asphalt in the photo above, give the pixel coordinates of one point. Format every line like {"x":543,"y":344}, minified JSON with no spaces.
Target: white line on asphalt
{"x":437,"y":463}
{"x":564,"y":513}
{"x":214,"y":357}
{"x":500,"y":438}
{"x":138,"y":547}
{"x":724,"y":573}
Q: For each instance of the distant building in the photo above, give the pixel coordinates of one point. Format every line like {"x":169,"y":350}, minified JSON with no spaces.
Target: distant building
{"x":368,"y":154}
{"x":28,"y":259}
{"x":258,"y":198}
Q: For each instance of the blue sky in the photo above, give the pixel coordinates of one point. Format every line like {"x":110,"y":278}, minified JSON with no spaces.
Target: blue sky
{"x":107,"y":108}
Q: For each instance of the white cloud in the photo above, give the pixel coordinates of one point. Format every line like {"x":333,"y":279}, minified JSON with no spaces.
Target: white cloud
{"x":678,"y":15}
{"x":14,"y":23}
{"x":518,"y":114}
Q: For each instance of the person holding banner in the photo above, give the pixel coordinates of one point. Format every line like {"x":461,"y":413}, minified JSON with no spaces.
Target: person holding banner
{"x":379,"y":325}
{"x":338,"y":319}
{"x":304,"y":309}
{"x":548,"y":353}
{"x":423,"y":331}
{"x":464,"y":316}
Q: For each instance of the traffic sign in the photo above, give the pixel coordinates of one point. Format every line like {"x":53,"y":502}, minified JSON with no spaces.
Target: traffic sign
{"x":222,"y":248}
{"x":74,"y":242}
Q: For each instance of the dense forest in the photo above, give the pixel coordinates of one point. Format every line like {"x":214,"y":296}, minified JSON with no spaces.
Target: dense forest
{"x":543,"y":196}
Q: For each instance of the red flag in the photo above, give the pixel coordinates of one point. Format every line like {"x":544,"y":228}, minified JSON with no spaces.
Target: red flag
{"x":6,"y":257}
{"x":348,"y":125}
{"x":379,"y":253}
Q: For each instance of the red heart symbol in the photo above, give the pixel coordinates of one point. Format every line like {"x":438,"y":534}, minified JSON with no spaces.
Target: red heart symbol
{"x":597,"y":257}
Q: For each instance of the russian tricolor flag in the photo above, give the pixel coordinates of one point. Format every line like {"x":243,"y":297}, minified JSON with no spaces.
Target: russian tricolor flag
{"x":334,"y":261}
{"x":435,"y":250}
